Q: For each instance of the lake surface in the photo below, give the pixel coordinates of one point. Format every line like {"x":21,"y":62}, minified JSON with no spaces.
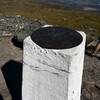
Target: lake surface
{"x":79,"y":4}
{"x":40,"y":9}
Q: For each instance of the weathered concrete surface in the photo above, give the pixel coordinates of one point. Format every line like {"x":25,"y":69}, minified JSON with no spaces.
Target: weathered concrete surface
{"x":50,"y":74}
{"x":91,"y":76}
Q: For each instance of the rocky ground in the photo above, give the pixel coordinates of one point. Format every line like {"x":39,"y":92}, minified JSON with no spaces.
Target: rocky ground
{"x":9,"y":25}
{"x":91,"y":79}
{"x":18,"y":26}
{"x":8,"y":52}
{"x":11,"y":57}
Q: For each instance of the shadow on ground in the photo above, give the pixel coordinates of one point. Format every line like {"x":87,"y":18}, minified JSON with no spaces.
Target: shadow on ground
{"x":17,"y":43}
{"x":12,"y":72}
{"x":1,"y":98}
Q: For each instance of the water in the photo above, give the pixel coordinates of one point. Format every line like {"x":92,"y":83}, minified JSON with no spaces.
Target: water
{"x":71,"y":1}
{"x":76,"y":19}
{"x":93,"y":4}
{"x":21,"y":4}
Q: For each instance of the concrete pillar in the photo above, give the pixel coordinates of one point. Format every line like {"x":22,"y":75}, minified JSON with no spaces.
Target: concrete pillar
{"x":53,"y":64}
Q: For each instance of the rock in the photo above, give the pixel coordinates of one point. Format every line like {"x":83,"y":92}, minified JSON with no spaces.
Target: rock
{"x":91,"y":79}
{"x":92,"y":48}
{"x":89,"y":91}
{"x":27,"y":28}
{"x":18,"y":26}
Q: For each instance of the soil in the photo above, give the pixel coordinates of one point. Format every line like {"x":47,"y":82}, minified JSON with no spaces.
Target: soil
{"x":8,"y":52}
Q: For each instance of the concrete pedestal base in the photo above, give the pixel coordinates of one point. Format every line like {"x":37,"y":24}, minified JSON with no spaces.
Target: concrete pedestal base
{"x":52,"y":74}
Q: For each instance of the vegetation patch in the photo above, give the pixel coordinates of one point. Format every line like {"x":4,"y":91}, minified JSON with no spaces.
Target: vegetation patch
{"x":86,"y":21}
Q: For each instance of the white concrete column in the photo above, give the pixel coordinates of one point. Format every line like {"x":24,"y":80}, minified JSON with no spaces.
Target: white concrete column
{"x":53,"y":71}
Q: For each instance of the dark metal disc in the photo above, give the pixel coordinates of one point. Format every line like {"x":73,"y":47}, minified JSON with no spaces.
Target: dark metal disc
{"x":56,"y":38}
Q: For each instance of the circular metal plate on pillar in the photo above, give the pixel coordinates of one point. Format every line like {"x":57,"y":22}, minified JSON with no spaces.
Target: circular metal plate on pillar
{"x":56,"y":38}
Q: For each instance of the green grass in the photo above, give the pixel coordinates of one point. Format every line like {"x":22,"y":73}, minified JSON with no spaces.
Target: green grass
{"x":79,"y":20}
